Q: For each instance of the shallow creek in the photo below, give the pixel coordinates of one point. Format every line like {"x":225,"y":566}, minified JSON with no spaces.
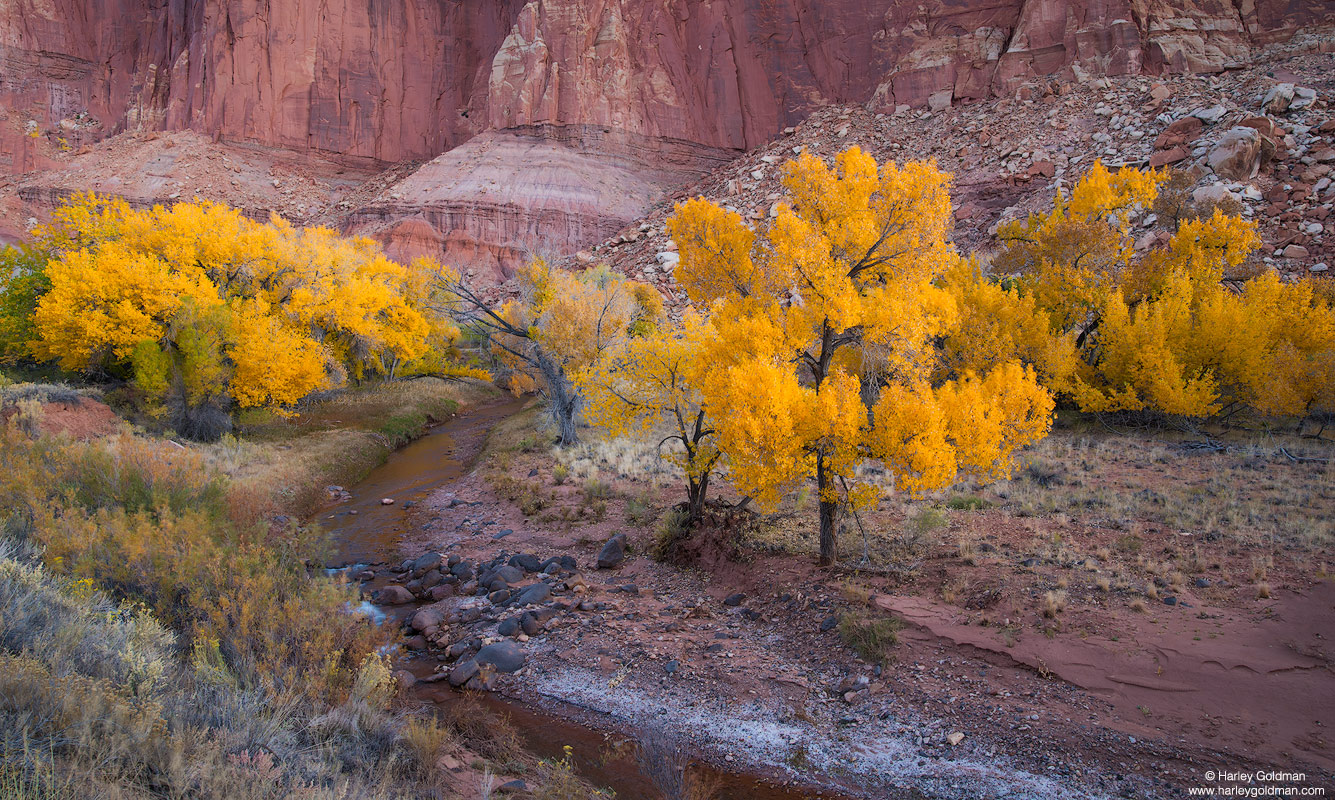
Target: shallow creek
{"x":365,"y":532}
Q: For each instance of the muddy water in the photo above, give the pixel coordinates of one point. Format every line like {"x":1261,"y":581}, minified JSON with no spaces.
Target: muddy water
{"x":364,"y":530}
{"x":367,"y":532}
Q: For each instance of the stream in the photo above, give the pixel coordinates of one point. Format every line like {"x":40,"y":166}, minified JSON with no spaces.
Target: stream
{"x":366,"y":532}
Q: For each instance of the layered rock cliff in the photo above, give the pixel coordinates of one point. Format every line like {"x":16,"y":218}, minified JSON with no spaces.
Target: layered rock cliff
{"x":671,"y":83}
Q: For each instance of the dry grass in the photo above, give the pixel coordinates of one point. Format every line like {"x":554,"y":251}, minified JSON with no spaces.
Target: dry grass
{"x":161,"y":636}
{"x":1054,"y":603}
{"x":1252,"y":493}
{"x":335,"y":442}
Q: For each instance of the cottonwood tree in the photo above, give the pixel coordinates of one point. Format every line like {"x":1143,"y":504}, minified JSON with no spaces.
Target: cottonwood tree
{"x":208,"y":311}
{"x":649,"y":383}
{"x":561,"y":325}
{"x":823,"y":351}
{"x":1192,"y":329}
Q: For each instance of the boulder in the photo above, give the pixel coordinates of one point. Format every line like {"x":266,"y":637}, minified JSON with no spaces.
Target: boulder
{"x":1170,"y":156}
{"x":463,"y":672}
{"x":1237,"y":156}
{"x":392,"y":595}
{"x":505,"y":656}
{"x":526,"y":561}
{"x":1212,"y":193}
{"x":425,"y":563}
{"x":536,"y":593}
{"x":460,"y":648}
{"x":430,"y":617}
{"x":1183,"y":131}
{"x":613,"y":553}
{"x":1279,"y":97}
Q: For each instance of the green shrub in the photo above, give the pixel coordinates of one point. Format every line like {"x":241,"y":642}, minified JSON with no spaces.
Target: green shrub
{"x":672,"y":528}
{"x":640,"y":511}
{"x":871,"y":639}
{"x":967,"y":502}
{"x":596,"y":489}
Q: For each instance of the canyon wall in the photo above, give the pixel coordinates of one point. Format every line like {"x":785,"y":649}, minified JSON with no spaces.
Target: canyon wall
{"x":371,"y":83}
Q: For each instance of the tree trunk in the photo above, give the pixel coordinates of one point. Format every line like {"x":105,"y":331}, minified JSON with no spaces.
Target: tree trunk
{"x":829,"y":511}
{"x":696,"y":491}
{"x":561,"y":397}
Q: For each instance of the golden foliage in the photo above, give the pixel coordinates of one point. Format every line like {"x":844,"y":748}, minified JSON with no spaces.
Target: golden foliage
{"x":823,"y":348}
{"x":647,"y":383}
{"x":259,"y":314}
{"x":1185,"y":330}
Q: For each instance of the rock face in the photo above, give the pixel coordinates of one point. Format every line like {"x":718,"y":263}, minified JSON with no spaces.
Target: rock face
{"x":592,"y":109}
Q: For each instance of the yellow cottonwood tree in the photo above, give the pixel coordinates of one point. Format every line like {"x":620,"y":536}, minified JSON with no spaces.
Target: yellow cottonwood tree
{"x":647,"y":383}
{"x":1191,"y":329}
{"x":208,"y":310}
{"x":561,"y":324}
{"x":823,"y":350}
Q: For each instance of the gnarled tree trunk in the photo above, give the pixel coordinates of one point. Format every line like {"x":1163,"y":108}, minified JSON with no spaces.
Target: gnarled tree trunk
{"x":562,"y":398}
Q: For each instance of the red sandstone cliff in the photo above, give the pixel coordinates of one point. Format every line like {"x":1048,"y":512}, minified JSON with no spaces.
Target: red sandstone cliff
{"x":594,"y":106}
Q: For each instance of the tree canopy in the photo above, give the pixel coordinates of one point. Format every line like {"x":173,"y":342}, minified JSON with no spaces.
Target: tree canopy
{"x":206,"y":310}
{"x":824,"y":351}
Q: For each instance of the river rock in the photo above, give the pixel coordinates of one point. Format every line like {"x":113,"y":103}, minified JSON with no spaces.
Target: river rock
{"x":392,"y":595}
{"x":440,"y":591}
{"x":504,"y":656}
{"x":463,"y":570}
{"x":529,"y":624}
{"x":429,"y":617}
{"x":425,"y":563}
{"x":508,"y":627}
{"x":526,"y":561}
{"x":463,"y":672}
{"x":559,"y":563}
{"x":613,"y":553}
{"x":536,"y":593}
{"x":460,"y":649}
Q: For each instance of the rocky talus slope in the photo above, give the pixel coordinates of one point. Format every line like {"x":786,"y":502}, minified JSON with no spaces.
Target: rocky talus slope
{"x":574,"y":116}
{"x":1263,"y":136}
